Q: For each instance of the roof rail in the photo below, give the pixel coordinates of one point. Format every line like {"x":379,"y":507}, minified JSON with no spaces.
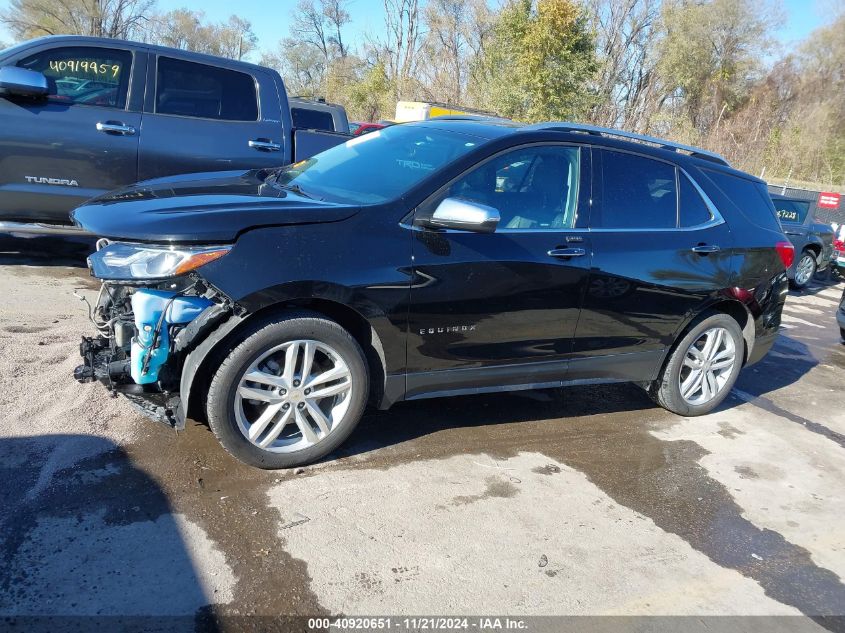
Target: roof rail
{"x":467,"y":117}
{"x":565,"y":126}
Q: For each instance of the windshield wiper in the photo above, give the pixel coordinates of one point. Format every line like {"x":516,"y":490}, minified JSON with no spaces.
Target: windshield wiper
{"x":298,"y":191}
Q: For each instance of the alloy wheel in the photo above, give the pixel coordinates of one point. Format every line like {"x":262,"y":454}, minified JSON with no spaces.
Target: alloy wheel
{"x":293,"y":396}
{"x":804,"y":270}
{"x":707,"y":366}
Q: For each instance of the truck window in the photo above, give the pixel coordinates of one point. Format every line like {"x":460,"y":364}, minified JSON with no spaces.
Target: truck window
{"x":84,"y":75}
{"x":203,"y":91}
{"x":307,"y":119}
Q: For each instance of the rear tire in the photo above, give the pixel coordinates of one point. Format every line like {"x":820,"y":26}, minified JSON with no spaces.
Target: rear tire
{"x":271,"y":408}
{"x":677,"y":390}
{"x":805,"y":270}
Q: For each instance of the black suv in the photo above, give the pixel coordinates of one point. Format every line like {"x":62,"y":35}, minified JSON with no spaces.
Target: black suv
{"x":437,"y":258}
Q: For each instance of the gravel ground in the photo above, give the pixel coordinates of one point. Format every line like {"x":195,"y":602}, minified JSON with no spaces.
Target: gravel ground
{"x":585,"y":501}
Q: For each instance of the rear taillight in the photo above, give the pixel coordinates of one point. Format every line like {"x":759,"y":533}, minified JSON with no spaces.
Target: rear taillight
{"x":838,"y":245}
{"x":787,"y":253}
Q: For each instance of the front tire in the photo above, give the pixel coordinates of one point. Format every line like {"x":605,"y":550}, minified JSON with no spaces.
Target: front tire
{"x":805,"y":270}
{"x":290,"y":393}
{"x":702,"y":367}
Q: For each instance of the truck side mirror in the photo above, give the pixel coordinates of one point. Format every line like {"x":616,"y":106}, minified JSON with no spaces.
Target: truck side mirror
{"x":463,"y":215}
{"x":20,"y":82}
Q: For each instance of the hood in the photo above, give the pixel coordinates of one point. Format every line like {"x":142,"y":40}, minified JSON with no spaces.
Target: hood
{"x":201,"y":208}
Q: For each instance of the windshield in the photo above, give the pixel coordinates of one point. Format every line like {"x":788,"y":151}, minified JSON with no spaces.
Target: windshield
{"x":376,"y":167}
{"x":791,"y":211}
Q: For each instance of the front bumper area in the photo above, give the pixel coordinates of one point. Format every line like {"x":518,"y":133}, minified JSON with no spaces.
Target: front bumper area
{"x":100,"y":365}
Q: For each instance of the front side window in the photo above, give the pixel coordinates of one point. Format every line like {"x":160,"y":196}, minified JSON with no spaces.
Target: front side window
{"x":202,"y":91}
{"x":307,"y":119}
{"x":534,"y":188}
{"x":637,"y":193}
{"x":84,"y":75}
{"x":376,"y":167}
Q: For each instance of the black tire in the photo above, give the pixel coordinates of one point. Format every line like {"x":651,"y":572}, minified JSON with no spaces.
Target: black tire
{"x":262,"y":337}
{"x":842,"y":334}
{"x":666,"y":390}
{"x":794,"y":284}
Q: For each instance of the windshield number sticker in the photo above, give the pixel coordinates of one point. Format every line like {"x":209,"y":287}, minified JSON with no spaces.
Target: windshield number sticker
{"x":84,"y":65}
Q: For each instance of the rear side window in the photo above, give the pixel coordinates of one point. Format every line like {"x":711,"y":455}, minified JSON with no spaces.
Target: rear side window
{"x":751,"y":198}
{"x":202,"y":91}
{"x":791,"y":211}
{"x":84,"y":75}
{"x":637,"y":193}
{"x":694,"y":211}
{"x":307,"y":119}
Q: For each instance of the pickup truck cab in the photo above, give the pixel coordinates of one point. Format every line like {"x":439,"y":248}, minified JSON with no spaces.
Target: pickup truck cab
{"x":80,"y":116}
{"x":813,"y":241}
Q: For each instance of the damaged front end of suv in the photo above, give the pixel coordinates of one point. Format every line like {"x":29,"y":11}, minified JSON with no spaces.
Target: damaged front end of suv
{"x":151,"y":312}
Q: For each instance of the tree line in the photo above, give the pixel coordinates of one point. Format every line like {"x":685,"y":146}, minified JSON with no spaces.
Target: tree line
{"x":704,"y":72}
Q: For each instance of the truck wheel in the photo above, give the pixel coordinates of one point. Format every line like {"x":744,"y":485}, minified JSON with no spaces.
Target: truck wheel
{"x":702,"y":368}
{"x":805,"y":270}
{"x":290,"y":393}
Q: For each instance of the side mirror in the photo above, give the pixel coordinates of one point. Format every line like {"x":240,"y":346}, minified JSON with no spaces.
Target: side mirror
{"x":464,"y":215}
{"x":20,"y":82}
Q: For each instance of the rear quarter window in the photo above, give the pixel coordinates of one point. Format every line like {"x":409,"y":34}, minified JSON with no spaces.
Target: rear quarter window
{"x":791,"y":211}
{"x":749,"y":197}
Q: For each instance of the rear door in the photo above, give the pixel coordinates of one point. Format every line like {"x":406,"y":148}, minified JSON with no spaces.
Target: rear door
{"x":202,"y":117}
{"x":503,"y":306}
{"x":660,"y":252}
{"x":81,"y":141}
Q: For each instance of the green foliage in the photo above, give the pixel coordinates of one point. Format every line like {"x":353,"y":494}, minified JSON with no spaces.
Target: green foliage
{"x":540,"y":61}
{"x":711,"y":54}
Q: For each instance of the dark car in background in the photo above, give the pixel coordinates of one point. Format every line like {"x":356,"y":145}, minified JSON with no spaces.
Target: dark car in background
{"x":813,"y":240}
{"x":315,"y":113}
{"x":840,"y":317}
{"x":80,"y":116}
{"x":485,"y":256}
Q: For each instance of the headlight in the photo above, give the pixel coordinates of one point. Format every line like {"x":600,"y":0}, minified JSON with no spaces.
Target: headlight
{"x":123,"y":261}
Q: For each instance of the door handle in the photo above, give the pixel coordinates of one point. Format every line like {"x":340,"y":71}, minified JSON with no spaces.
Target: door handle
{"x":704,"y":249}
{"x":264,"y":145}
{"x":116,"y":127}
{"x":565,"y":253}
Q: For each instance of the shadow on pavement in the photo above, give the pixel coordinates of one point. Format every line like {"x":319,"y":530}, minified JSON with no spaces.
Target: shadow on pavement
{"x":86,"y":537}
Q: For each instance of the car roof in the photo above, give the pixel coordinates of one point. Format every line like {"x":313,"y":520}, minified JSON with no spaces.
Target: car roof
{"x":491,"y":128}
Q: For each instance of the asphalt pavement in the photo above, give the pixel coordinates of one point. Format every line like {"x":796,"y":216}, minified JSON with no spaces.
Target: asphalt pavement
{"x":585,"y":501}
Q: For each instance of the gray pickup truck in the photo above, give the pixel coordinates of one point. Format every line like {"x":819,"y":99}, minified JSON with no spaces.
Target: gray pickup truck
{"x":813,"y":241}
{"x":80,"y":116}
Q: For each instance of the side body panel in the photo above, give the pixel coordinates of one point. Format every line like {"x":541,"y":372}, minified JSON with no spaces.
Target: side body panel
{"x":175,"y":144}
{"x":52,"y":156}
{"x":644,"y":285}
{"x":362,"y":263}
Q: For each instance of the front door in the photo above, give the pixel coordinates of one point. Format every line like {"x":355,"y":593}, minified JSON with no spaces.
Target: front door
{"x":79,"y":142}
{"x":502,"y":307}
